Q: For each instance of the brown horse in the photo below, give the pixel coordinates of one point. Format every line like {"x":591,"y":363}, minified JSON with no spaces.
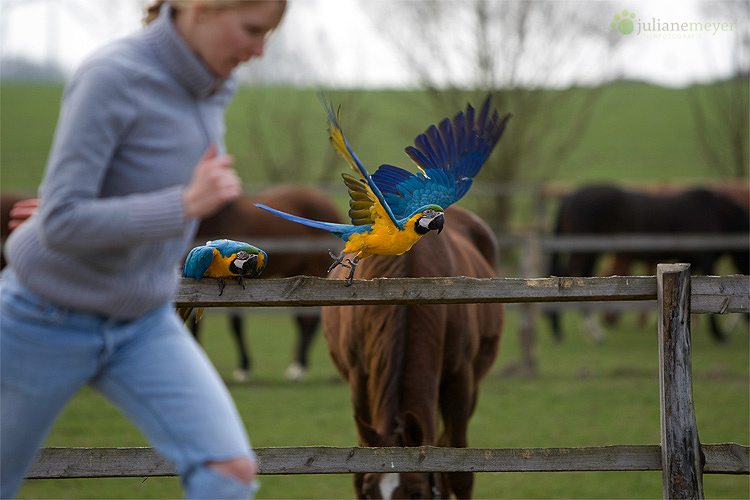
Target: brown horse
{"x":242,"y":220}
{"x":607,"y":209}
{"x":407,"y":366}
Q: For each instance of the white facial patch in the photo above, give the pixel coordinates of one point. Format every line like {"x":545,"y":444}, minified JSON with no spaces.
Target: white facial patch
{"x":242,"y":257}
{"x":424,"y":222}
{"x":388,"y":484}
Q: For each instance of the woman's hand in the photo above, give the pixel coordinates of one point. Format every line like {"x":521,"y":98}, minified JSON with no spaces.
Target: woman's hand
{"x":214,"y":184}
{"x":21,"y":211}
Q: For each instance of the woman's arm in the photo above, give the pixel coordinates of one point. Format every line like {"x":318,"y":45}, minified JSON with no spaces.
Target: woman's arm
{"x":98,"y":111}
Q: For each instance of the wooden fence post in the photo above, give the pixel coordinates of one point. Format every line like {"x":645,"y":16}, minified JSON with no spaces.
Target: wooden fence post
{"x":682,"y":457}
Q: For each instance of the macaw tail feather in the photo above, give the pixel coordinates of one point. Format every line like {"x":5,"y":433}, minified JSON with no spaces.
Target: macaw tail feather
{"x":335,"y":229}
{"x":184,"y":313}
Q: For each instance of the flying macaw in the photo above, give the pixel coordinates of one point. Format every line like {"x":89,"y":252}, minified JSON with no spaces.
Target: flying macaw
{"x":392,"y":209}
{"x":222,"y":259}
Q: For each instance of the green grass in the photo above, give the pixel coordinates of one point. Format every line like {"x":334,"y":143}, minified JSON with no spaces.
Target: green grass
{"x":586,"y":394}
{"x":638,"y":133}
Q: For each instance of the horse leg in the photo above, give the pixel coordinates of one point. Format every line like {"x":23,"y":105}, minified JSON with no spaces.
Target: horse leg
{"x":194,"y":329}
{"x":366,"y":434}
{"x":242,"y":374}
{"x":582,"y":264}
{"x":579,"y":264}
{"x":556,"y":269}
{"x":458,"y":397}
{"x":620,"y":267}
{"x":307,"y":326}
{"x":706,"y":262}
{"x":554,"y":322}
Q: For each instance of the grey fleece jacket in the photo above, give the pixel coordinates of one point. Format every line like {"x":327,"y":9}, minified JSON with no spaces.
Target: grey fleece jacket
{"x":135,"y":119}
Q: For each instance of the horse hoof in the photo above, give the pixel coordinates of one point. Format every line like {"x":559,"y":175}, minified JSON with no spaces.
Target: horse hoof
{"x":241,"y":375}
{"x":296,"y":372}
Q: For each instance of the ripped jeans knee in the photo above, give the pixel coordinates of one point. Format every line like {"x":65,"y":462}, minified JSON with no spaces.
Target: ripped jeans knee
{"x":205,"y":482}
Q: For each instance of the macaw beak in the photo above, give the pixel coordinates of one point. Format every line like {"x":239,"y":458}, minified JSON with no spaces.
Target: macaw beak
{"x":437,"y":223}
{"x":250,"y":266}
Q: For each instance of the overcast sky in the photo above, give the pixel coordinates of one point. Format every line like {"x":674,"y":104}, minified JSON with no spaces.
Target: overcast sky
{"x":340,"y":41}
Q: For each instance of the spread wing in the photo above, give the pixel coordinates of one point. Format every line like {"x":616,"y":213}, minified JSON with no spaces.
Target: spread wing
{"x":197,"y":262}
{"x":448,"y":156}
{"x":362,"y":202}
{"x":369,"y":198}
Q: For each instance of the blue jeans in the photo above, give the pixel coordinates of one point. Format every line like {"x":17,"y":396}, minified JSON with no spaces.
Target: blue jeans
{"x":151,"y":368}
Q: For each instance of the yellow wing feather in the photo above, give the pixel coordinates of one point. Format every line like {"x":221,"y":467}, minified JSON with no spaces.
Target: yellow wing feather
{"x":339,"y":143}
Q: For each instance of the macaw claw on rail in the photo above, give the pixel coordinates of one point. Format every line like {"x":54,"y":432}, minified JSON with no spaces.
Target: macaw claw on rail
{"x":339,"y":261}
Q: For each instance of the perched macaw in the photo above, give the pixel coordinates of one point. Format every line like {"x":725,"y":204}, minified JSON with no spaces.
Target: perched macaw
{"x":392,"y":209}
{"x":223,"y":259}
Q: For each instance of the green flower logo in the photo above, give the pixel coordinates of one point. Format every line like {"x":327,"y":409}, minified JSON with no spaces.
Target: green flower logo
{"x":623,"y":23}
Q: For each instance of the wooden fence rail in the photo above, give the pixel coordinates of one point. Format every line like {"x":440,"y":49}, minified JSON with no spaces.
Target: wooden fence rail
{"x":708,"y":294}
{"x":729,"y":458}
{"x":681,"y":456}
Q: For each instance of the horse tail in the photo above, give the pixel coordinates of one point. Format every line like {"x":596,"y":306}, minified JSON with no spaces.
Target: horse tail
{"x":387,"y":349}
{"x":556,"y":269}
{"x":555,"y":266}
{"x":741,"y":218}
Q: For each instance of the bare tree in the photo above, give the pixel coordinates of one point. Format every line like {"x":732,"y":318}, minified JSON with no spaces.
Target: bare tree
{"x":277,"y":140}
{"x":523,"y":51}
{"x":526,"y":53}
{"x":722,"y":110}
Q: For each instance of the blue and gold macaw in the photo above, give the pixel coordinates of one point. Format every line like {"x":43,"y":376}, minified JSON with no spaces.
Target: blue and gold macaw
{"x":223,"y":259}
{"x":392,"y":209}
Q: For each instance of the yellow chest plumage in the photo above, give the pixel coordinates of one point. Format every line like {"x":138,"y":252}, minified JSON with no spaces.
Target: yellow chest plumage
{"x":384,"y":239}
{"x":219,"y":267}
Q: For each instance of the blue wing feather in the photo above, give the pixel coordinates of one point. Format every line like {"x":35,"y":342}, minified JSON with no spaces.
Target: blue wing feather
{"x":446,"y":132}
{"x":197,"y":262}
{"x":449,"y":155}
{"x":388,"y":178}
{"x":436,"y":142}
{"x":416,"y":156}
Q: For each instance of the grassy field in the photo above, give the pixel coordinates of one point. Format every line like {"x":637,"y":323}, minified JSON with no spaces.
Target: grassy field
{"x":637,"y":133}
{"x":586,"y":394}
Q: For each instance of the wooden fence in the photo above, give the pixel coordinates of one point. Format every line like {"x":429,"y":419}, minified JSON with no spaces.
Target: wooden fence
{"x":680,"y":456}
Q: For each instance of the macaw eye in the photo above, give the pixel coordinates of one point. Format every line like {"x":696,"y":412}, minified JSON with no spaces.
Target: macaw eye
{"x":428,"y":213}
{"x":242,"y":255}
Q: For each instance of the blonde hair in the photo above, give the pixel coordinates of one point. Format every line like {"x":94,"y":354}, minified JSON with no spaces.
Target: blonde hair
{"x":152,"y":11}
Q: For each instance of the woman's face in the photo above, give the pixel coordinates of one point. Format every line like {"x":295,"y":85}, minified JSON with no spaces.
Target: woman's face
{"x":226,"y":37}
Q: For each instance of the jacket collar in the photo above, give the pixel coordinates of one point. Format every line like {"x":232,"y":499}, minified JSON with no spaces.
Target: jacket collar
{"x":180,"y":62}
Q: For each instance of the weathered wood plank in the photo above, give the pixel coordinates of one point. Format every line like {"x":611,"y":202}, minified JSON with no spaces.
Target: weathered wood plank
{"x":682,"y":458}
{"x":725,"y":458}
{"x":719,"y":294}
{"x":312,"y":291}
{"x":432,"y":459}
{"x":709,"y":294}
